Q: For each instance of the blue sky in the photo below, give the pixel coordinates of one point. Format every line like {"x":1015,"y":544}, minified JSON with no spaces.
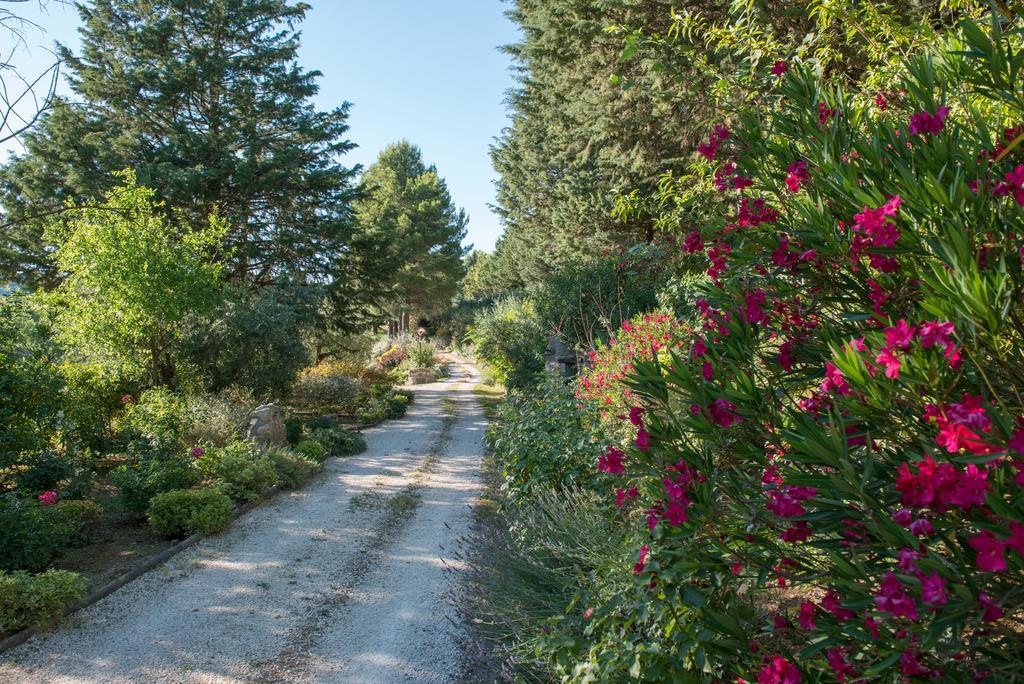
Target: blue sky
{"x":428,"y":71}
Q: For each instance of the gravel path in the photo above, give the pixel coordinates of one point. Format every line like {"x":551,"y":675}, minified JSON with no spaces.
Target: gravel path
{"x":342,"y":581}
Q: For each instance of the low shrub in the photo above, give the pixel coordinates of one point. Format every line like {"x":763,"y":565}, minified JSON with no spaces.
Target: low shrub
{"x":216,"y":418}
{"x":79,"y":515}
{"x":510,"y":340}
{"x":27,"y":600}
{"x":42,"y":472}
{"x":293,"y":469}
{"x":339,"y":442}
{"x":312,"y":449}
{"x":543,"y":441}
{"x":293,"y":430}
{"x":184,"y":512}
{"x":326,"y":388}
{"x":422,"y":354}
{"x":393,"y":357}
{"x":245,"y":472}
{"x":32,"y":533}
{"x":158,"y":417}
{"x":152,"y":472}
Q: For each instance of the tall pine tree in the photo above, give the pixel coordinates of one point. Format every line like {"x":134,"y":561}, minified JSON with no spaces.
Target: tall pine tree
{"x":407,"y":205}
{"x":205,"y":101}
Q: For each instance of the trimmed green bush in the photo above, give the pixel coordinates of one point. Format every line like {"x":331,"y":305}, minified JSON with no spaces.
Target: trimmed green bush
{"x":27,"y":600}
{"x":293,"y":469}
{"x":31,"y":534}
{"x":340,"y":442}
{"x":245,"y":471}
{"x":312,"y":449}
{"x":152,"y":473}
{"x":183,"y":512}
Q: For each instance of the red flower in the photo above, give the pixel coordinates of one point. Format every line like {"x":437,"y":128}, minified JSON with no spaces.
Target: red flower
{"x":992,"y":612}
{"x":806,"y":617}
{"x":693,"y":243}
{"x":1013,"y":183}
{"x":892,"y":597}
{"x":611,"y":461}
{"x":643,"y":440}
{"x":890,"y":362}
{"x":836,"y":658}
{"x":721,"y":412}
{"x":779,"y":671}
{"x":831,"y":603}
{"x":621,"y":495}
{"x":991,"y":552}
{"x":933,"y":589}
{"x":924,"y":122}
{"x":797,"y":175}
{"x":780,"y":68}
{"x":639,"y":567}
{"x":48,"y":498}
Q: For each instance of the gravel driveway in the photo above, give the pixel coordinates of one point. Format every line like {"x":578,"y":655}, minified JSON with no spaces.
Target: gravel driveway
{"x":342,"y":581}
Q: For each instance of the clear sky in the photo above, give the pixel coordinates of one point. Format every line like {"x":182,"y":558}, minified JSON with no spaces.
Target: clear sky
{"x":428,"y":71}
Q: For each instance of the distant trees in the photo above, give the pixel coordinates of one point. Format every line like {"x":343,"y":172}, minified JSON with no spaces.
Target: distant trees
{"x":407,"y":207}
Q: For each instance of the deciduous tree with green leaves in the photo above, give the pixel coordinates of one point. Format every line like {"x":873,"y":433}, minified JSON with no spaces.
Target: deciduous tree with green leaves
{"x":131,"y":278}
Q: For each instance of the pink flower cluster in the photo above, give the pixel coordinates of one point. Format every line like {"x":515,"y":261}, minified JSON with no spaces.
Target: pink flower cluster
{"x":927,"y":123}
{"x":709,"y":149}
{"x":48,"y":498}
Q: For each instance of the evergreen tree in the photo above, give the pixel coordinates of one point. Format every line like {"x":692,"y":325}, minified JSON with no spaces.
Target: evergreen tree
{"x":407,"y":206}
{"x":205,"y":101}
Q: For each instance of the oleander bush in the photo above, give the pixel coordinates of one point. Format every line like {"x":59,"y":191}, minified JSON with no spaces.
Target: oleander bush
{"x":826,"y":474}
{"x":292,"y":467}
{"x":27,"y":600}
{"x":184,"y":512}
{"x":240,"y":469}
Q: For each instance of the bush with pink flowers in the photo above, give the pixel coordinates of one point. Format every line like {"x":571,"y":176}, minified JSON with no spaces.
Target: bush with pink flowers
{"x":829,"y":472}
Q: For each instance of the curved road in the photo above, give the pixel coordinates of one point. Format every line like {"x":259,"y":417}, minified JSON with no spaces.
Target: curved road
{"x":341,"y":581}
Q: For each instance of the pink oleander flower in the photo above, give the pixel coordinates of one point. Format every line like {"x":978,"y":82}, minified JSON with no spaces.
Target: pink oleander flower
{"x":990,"y":611}
{"x":900,"y":335}
{"x":797,"y":175}
{"x":797,"y":532}
{"x":831,"y":603}
{"x":198,"y":452}
{"x":636,"y":416}
{"x":926,"y":123}
{"x":693,"y":243}
{"x":643,"y":440}
{"x":780,"y":67}
{"x":48,"y":498}
{"x":778,"y":670}
{"x":890,"y":362}
{"x":622,"y":495}
{"x":722,"y":415}
{"x":991,"y":552}
{"x":836,"y":658}
{"x":611,"y":461}
{"x":933,"y":589}
{"x":892,"y":597}
{"x":806,"y":617}
{"x":639,"y":567}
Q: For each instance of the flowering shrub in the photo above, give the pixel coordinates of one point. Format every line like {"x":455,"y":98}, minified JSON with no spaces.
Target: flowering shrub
{"x":826,"y":477}
{"x":393,"y":357}
{"x":639,"y":339}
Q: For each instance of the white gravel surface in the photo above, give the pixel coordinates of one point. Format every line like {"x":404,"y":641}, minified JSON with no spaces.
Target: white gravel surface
{"x":341,"y":581}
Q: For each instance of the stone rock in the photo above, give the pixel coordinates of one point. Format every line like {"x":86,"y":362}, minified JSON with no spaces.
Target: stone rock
{"x":559,"y":358}
{"x":421,"y":376}
{"x":266,"y":425}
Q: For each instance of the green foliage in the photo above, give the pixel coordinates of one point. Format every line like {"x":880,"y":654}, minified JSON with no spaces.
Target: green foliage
{"x":293,"y":468}
{"x":29,"y":384}
{"x":294,"y":428}
{"x":510,"y":339}
{"x":252,"y":339}
{"x":241,"y":468}
{"x":543,"y":442}
{"x":42,"y":472}
{"x":585,"y":302}
{"x":421,"y":353}
{"x":79,"y":515}
{"x":133,"y":277}
{"x":216,"y":418}
{"x":157,"y":417}
{"x":32,"y":534}
{"x":184,"y":512}
{"x":27,"y":600}
{"x":408,"y":208}
{"x":326,"y":388}
{"x":151,"y":472}
{"x":312,"y":449}
{"x":339,"y":442}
